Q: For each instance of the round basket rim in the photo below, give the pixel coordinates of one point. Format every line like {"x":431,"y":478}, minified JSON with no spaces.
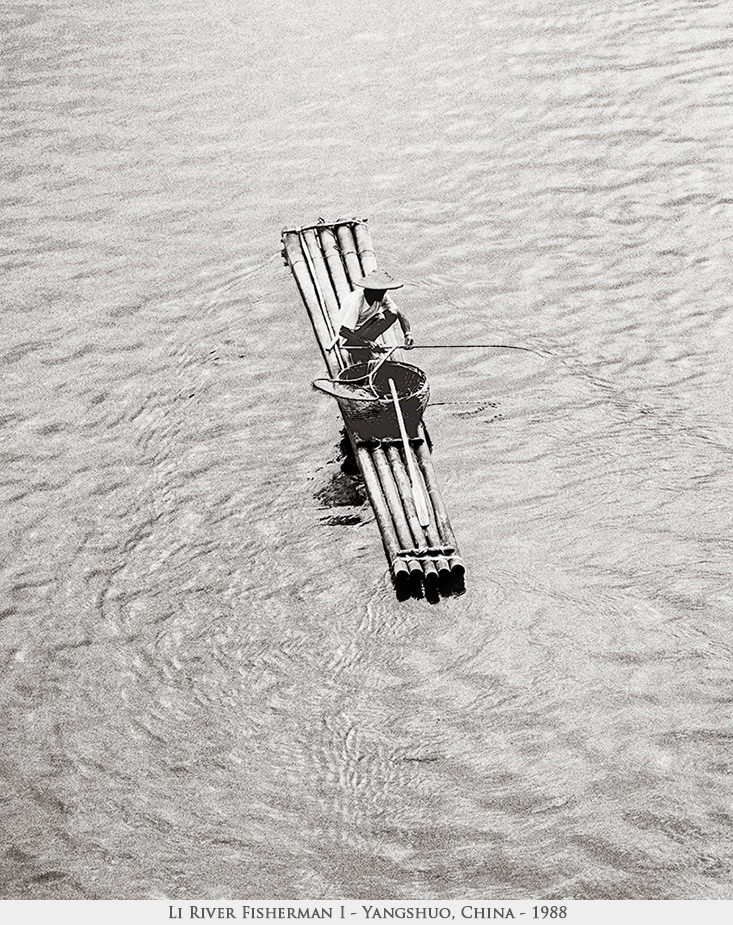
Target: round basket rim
{"x":385,"y":365}
{"x":386,"y":399}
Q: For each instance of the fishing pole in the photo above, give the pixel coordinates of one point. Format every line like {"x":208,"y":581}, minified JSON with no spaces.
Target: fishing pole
{"x":352,"y":383}
{"x":476,"y":346}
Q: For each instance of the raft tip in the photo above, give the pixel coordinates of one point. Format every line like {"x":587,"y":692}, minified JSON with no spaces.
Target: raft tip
{"x":458,"y":569}
{"x":444,"y":571}
{"x":415,"y":570}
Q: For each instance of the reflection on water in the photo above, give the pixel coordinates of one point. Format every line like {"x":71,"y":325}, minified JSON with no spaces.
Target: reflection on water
{"x":344,"y":488}
{"x":209,"y":687}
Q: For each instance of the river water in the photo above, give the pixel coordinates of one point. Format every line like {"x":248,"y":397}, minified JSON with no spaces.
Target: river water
{"x":209,"y":687}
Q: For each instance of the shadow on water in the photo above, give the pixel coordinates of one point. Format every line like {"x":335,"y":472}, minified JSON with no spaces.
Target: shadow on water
{"x":344,"y":488}
{"x":453,"y":586}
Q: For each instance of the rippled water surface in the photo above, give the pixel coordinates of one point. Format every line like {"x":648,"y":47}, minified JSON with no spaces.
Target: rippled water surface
{"x":208,"y":686}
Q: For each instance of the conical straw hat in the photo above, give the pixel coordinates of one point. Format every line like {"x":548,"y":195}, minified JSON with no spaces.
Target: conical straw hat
{"x":379,"y":280}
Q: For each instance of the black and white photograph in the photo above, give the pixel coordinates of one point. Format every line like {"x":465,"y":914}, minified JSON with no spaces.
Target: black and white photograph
{"x":366,"y":429}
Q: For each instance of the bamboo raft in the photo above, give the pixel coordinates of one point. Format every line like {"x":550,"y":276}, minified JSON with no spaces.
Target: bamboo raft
{"x":324,"y":258}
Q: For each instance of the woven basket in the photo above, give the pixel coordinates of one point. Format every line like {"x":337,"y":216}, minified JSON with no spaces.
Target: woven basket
{"x":377,"y":419}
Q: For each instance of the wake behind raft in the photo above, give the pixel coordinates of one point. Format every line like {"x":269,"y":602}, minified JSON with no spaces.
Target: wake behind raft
{"x":382,"y":403}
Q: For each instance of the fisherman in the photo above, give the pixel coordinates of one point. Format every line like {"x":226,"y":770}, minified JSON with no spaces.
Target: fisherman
{"x":369,"y":311}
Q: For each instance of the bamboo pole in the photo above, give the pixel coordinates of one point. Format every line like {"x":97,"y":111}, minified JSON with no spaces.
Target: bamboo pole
{"x":349,"y":253}
{"x":400,"y":569}
{"x":327,"y":301}
{"x":296,"y":259}
{"x":320,"y":270}
{"x":333,"y":262}
{"x":295,"y":256}
{"x":418,"y":491}
{"x":441,"y":514}
{"x":364,"y":247}
{"x":394,"y":503}
{"x":421,"y":536}
{"x":441,"y":562}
